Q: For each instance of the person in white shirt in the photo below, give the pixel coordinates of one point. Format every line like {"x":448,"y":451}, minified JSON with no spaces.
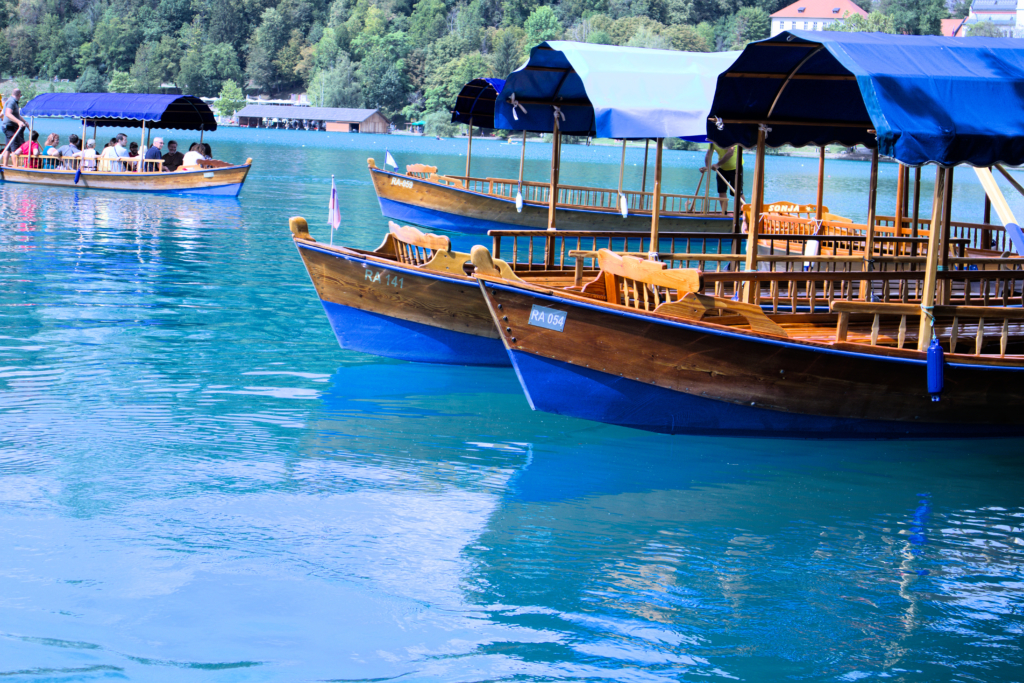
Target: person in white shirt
{"x":89,"y":155}
{"x":192,"y":158}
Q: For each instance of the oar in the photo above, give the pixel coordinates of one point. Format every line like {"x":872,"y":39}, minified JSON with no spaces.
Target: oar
{"x":1001,"y":206}
{"x":731,"y":188}
{"x":700,"y":181}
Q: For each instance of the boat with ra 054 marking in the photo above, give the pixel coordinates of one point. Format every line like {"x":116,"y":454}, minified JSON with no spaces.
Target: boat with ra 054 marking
{"x":867,"y":344}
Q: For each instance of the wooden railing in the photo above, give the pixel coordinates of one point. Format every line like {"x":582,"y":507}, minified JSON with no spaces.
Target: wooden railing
{"x":60,"y":163}
{"x":958,"y":325}
{"x":529,"y":249}
{"x":978,"y":235}
{"x":575,"y":196}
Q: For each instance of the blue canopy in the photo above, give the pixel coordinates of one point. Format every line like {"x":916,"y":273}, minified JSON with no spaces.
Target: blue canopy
{"x":920,"y":99}
{"x":476,"y":101}
{"x":612,"y":92}
{"x":181,"y":112}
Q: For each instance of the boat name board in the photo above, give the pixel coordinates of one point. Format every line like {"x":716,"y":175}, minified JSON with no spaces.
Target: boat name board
{"x":383,"y":276}
{"x":548,"y":318}
{"x":401,"y":182}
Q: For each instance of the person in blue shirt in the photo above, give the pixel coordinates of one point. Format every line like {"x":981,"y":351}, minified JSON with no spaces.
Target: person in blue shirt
{"x":153,"y":154}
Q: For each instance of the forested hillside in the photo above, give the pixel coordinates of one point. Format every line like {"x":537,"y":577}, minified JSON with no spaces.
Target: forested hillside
{"x":405,"y":57}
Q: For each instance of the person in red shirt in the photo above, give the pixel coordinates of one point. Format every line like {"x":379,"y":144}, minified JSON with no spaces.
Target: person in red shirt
{"x":31,"y":148}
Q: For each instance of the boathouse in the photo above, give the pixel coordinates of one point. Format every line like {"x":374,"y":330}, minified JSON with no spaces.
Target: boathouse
{"x":312,"y":118}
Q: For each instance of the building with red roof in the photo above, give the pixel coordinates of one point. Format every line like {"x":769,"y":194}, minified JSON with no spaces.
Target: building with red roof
{"x":813,"y":15}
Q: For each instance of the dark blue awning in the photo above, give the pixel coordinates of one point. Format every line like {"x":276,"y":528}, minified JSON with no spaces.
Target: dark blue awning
{"x":612,"y":92}
{"x":920,"y":99}
{"x":476,"y":101}
{"x":181,"y":112}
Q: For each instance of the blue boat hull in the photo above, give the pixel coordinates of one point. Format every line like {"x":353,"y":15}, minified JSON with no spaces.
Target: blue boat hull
{"x":676,"y":376}
{"x":553,"y":386}
{"x":390,"y":337}
{"x":397,"y":311}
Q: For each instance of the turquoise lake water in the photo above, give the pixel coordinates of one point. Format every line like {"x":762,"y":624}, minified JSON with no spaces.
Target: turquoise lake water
{"x":197,"y":484}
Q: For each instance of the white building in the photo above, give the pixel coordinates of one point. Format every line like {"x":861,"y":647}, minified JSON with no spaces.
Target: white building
{"x":1007,"y":15}
{"x":815,"y":15}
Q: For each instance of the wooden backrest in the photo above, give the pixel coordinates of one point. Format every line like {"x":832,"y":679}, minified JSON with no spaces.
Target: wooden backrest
{"x":484,"y":263}
{"x":415,"y":247}
{"x":694,"y":306}
{"x":643,"y":284}
{"x":420,"y":170}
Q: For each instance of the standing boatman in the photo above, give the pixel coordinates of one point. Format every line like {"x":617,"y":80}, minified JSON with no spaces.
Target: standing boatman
{"x":726,"y":167}
{"x":14,"y":125}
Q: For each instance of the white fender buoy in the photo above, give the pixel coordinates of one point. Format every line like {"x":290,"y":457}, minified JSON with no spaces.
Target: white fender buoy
{"x":623,"y":205}
{"x":519,"y":201}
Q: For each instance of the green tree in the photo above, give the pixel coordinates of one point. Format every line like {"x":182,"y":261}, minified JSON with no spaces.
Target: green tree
{"x":750,"y":23}
{"x":875,"y":22}
{"x":443,"y":85}
{"x":542,"y":25}
{"x":428,"y":22}
{"x":22,"y":45}
{"x":91,"y":81}
{"x":599,"y":38}
{"x":204,"y":70}
{"x":516,"y":12}
{"x":231,"y":98}
{"x":439,"y":123}
{"x":382,"y":82}
{"x":288,"y":57}
{"x":917,"y":17}
{"x":685,"y":38}
{"x":645,"y":37}
{"x":337,"y":86}
{"x":117,"y":37}
{"x":507,"y":51}
{"x":985,"y":29}
{"x":121,"y":81}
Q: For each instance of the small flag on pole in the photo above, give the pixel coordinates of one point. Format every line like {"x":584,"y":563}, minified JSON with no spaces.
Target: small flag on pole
{"x":390,"y":160}
{"x":333,"y":211}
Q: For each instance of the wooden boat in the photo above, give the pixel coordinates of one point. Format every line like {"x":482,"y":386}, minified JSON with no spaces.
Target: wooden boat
{"x":210,"y":177}
{"x":476,"y":205}
{"x":414,"y":298}
{"x":577,"y":89}
{"x":827,"y":353}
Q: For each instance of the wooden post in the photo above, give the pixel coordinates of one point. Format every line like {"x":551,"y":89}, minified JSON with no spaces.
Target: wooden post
{"x":986,"y":234}
{"x":643,"y":183}
{"x":142,"y":147}
{"x":81,"y":143}
{"x":553,"y":191}
{"x":821,"y":182}
{"x":931,"y":265}
{"x":737,"y":209}
{"x":622,"y":166}
{"x":869,"y":245}
{"x":752,"y":290}
{"x":947,"y":210}
{"x":917,"y":210}
{"x":469,"y":149}
{"x":656,"y":205}
{"x":31,"y":127}
{"x":522,"y":158}
{"x":900,"y":208}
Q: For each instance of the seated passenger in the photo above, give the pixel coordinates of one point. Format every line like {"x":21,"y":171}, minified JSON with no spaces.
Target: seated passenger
{"x":153,"y":154}
{"x":89,"y":156}
{"x":72,"y":149}
{"x":52,"y":142}
{"x":173,"y":158}
{"x":68,"y":151}
{"x":31,"y":148}
{"x":108,"y":153}
{"x":207,"y":151}
{"x":192,"y":157}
